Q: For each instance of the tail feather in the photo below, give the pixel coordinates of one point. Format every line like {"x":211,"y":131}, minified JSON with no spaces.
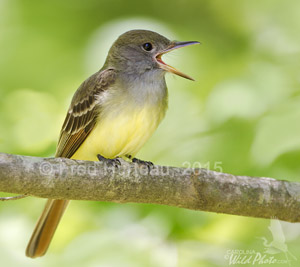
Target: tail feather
{"x":45,"y":228}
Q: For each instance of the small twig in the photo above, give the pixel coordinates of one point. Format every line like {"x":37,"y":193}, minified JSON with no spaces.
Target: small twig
{"x":12,"y":198}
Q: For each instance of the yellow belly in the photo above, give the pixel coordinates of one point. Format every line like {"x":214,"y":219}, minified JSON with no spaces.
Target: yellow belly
{"x":120,"y":134}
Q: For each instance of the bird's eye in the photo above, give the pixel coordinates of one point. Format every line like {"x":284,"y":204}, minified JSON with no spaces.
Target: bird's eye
{"x":147,"y":46}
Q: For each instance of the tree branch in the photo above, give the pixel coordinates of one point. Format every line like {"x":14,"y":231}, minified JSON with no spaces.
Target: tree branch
{"x":196,"y":189}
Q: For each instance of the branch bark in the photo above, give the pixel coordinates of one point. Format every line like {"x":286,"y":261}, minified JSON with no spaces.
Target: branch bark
{"x":196,"y":189}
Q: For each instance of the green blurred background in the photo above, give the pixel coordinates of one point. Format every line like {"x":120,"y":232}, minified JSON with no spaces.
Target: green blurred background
{"x":242,"y":113}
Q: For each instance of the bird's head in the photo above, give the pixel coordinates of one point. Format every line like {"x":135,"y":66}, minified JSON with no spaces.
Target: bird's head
{"x":141,"y":51}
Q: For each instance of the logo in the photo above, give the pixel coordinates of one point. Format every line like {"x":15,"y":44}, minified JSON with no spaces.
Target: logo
{"x":275,"y":250}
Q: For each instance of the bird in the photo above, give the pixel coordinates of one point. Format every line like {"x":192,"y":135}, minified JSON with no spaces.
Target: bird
{"x":112,"y":114}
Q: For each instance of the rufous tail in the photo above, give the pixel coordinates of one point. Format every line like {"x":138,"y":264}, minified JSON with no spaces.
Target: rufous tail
{"x":45,"y":227}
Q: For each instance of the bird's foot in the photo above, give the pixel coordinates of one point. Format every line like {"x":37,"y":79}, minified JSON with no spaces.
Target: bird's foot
{"x":110,"y":162}
{"x":148,"y":164}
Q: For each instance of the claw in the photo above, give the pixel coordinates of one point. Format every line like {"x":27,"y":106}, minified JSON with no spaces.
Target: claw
{"x":149,"y":164}
{"x":110,"y":162}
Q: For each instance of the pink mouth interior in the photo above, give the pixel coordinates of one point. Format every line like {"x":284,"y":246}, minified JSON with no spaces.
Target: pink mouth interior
{"x":158,"y":58}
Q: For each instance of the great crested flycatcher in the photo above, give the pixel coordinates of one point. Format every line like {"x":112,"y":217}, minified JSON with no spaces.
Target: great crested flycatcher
{"x":112,"y":114}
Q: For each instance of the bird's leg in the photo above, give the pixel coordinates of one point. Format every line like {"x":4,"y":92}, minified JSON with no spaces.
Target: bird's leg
{"x":112,"y":162}
{"x":149,"y":164}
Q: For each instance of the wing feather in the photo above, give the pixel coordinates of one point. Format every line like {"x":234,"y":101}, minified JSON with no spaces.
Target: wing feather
{"x":83,"y":112}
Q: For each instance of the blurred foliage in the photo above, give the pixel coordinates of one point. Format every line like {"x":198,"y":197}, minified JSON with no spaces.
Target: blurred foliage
{"x":242,"y":114}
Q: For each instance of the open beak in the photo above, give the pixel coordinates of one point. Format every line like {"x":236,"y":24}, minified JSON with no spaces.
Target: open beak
{"x":169,"y":68}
